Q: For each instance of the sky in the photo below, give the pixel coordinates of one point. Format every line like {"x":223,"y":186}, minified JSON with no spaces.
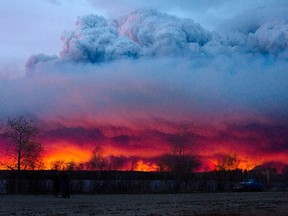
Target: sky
{"x":126,"y":75}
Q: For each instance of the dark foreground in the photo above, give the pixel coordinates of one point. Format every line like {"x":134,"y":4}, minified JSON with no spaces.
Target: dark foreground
{"x":212,"y":204}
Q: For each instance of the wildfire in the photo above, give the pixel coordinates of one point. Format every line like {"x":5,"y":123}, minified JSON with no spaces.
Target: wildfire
{"x":128,"y":159}
{"x":66,"y":153}
{"x":145,"y":166}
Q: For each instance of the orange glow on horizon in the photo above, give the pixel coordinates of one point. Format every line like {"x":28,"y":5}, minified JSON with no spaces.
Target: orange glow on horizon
{"x":146,"y":166}
{"x":144,"y":158}
{"x":66,"y":152}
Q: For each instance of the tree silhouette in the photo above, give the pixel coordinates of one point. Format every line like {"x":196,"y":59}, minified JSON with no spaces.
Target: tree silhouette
{"x":230,"y":161}
{"x":63,"y":165}
{"x":97,"y":160}
{"x":22,"y":149}
{"x":181,"y":159}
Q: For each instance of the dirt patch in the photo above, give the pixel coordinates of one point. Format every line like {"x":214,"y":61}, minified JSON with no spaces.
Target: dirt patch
{"x":200,"y":204}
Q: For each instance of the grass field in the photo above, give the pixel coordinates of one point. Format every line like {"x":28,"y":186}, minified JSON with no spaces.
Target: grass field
{"x":210,"y":204}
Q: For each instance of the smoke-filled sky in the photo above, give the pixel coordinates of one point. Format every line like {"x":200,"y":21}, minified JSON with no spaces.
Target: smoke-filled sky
{"x":127,"y":75}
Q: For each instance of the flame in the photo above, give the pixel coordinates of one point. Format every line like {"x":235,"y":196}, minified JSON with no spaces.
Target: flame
{"x":245,"y":163}
{"x":145,"y":166}
{"x":66,"y":152}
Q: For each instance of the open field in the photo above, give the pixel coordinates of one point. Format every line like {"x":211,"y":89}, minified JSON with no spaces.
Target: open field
{"x":261,"y":203}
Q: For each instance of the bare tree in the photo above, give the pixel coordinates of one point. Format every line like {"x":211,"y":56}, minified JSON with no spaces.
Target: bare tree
{"x":22,"y":149}
{"x":97,"y":160}
{"x":58,"y":165}
{"x":229,"y":161}
{"x":180,"y":159}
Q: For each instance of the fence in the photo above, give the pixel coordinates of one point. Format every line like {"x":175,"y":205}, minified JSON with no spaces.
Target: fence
{"x":41,"y":182}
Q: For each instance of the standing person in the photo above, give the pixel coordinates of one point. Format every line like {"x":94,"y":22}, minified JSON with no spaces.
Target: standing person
{"x":56,"y":184}
{"x":65,"y":186}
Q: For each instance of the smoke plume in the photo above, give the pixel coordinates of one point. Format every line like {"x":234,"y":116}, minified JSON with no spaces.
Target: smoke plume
{"x":148,"y":72}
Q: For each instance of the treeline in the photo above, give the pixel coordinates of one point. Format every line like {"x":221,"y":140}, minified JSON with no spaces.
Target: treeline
{"x":93,"y":182}
{"x":22,"y":150}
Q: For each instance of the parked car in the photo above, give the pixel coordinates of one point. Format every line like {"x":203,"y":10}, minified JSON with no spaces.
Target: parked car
{"x":248,"y":185}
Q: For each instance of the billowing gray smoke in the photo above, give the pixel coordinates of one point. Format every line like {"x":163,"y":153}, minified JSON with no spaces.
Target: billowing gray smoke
{"x":271,"y":37}
{"x":141,"y":33}
{"x":149,"y":33}
{"x":96,"y":40}
{"x":161,"y":34}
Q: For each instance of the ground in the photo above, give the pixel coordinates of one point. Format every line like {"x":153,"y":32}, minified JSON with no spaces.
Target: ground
{"x":208,"y":204}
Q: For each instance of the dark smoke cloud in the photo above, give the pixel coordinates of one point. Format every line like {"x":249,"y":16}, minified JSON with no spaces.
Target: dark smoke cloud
{"x":248,"y":21}
{"x":96,"y":41}
{"x":78,"y":135}
{"x":162,"y":34}
{"x":270,"y":38}
{"x":149,"y":33}
{"x":35,"y":59}
{"x":144,"y":33}
{"x":162,"y":65}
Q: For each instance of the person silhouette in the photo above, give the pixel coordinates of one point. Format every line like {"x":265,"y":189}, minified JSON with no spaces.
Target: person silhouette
{"x":56,"y":184}
{"x":65,"y":186}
